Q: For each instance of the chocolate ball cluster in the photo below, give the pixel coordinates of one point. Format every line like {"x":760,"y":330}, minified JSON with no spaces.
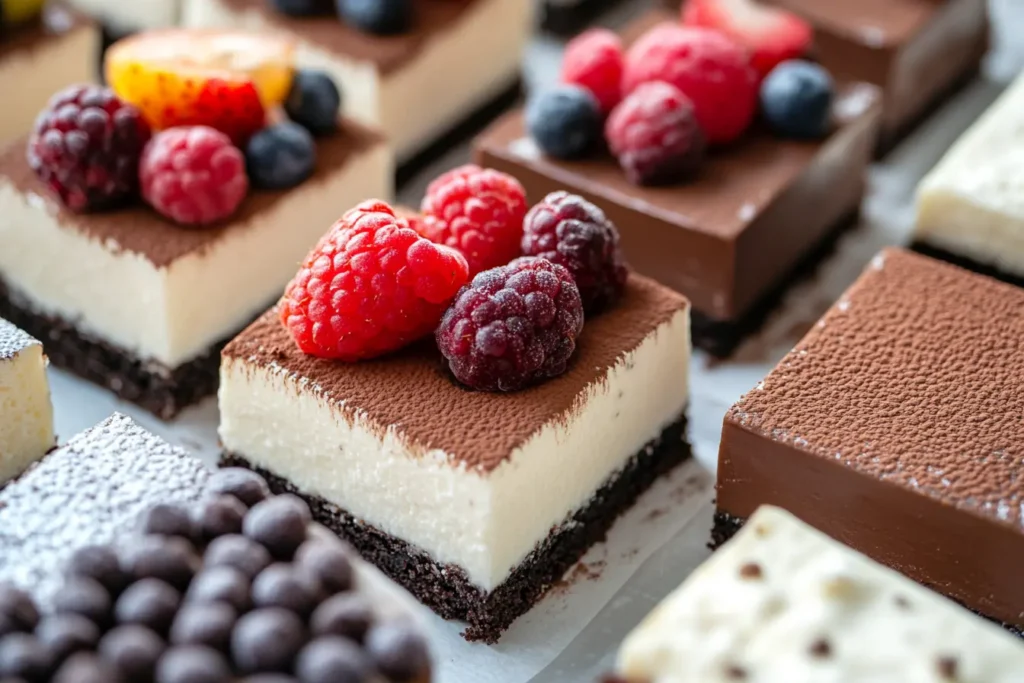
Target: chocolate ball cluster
{"x":235,"y":591}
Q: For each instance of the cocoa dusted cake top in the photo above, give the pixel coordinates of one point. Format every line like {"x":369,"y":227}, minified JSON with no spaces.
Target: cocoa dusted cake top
{"x":915,"y":377}
{"x":13,"y":340}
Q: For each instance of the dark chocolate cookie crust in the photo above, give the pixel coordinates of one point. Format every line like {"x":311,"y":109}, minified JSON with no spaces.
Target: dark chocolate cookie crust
{"x":966,"y":263}
{"x":446,"y":588}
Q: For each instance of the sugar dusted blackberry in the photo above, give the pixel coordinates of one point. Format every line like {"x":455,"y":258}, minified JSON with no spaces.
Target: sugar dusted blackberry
{"x":512,"y":326}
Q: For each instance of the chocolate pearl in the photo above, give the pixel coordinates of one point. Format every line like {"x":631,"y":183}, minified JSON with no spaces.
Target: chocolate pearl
{"x":134,"y":650}
{"x":84,"y":596}
{"x":100,"y":563}
{"x":328,"y":562}
{"x":239,"y":552}
{"x":285,"y":585}
{"x":219,"y":516}
{"x":279,"y":523}
{"x":66,"y":634}
{"x":164,"y":519}
{"x":149,"y":602}
{"x":332,"y":659}
{"x":192,"y":664}
{"x":204,"y":624}
{"x":85,"y":667}
{"x":245,"y":485}
{"x":267,"y":640}
{"x":348,"y":615}
{"x":23,"y":656}
{"x":170,"y":559}
{"x":220,"y":584}
{"x":19,"y":607}
{"x":399,"y":651}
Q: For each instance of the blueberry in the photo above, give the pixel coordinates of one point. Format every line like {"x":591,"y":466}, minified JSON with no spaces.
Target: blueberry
{"x":565,"y":122}
{"x":382,"y":17}
{"x":298,"y":8}
{"x":796,"y":99}
{"x":280,"y":156}
{"x":313,"y":101}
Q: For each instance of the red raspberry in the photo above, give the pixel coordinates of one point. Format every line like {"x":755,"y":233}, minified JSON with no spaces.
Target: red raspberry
{"x":512,"y":326}
{"x":710,"y":68}
{"x":568,"y":230}
{"x":654,"y":135}
{"x":193,"y":175}
{"x":593,"y":60}
{"x":86,"y":146}
{"x":371,"y":286}
{"x":477,"y":211}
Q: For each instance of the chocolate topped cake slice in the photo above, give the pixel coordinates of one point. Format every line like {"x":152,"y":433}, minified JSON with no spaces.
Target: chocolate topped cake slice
{"x":895,"y":427}
{"x":26,"y":414}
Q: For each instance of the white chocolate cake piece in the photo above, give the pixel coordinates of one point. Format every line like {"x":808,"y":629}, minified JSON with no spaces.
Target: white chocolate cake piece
{"x":784,"y":603}
{"x":26,"y":414}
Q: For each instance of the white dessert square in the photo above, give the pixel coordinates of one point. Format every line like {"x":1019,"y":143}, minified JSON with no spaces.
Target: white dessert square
{"x":26,"y":414}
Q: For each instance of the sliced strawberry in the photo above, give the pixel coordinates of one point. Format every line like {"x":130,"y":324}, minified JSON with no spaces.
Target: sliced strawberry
{"x":772,"y":34}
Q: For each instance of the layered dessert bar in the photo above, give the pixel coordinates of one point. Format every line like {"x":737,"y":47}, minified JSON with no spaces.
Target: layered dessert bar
{"x":968,"y":207}
{"x":783,"y":602}
{"x":26,"y":414}
{"x":730,"y":234}
{"x":43,"y":48}
{"x":894,"y":427}
{"x":424,"y":72}
{"x":137,"y":284}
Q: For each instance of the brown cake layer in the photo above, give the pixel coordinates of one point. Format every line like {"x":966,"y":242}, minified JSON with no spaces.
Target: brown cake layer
{"x":446,"y":588}
{"x":895,"y":427}
{"x":969,"y":264}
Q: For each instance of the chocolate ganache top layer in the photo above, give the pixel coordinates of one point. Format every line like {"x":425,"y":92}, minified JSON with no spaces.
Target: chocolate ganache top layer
{"x":915,"y":377}
{"x":413,"y":392}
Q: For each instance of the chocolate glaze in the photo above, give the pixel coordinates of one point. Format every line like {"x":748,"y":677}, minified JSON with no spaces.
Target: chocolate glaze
{"x":413,"y":392}
{"x":141,"y":230}
{"x":895,"y":427}
{"x":56,"y":21}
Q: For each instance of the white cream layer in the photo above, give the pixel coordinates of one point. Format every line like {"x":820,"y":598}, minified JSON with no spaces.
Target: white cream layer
{"x":26,"y":414}
{"x":484,"y":522}
{"x":459,"y":70}
{"x":877,"y":625}
{"x":129,"y":16}
{"x":972,"y":202}
{"x":174,"y":313}
{"x":32,"y":75}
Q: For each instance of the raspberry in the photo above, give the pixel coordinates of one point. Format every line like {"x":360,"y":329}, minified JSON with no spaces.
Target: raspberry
{"x":654,"y":135}
{"x":193,"y":175}
{"x":710,"y":68}
{"x":570,"y":231}
{"x":593,"y":60}
{"x":371,"y":286}
{"x":513,"y":326}
{"x":479,"y":212}
{"x":86,"y":147}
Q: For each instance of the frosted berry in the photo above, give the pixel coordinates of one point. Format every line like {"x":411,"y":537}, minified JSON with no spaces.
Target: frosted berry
{"x":593,"y":60}
{"x":371,"y":286}
{"x":478,"y":212}
{"x":280,"y":156}
{"x":796,"y":99}
{"x":707,"y":66}
{"x":565,"y":122}
{"x":513,"y":326}
{"x":86,"y":147}
{"x":655,"y":136}
{"x":195,"y":176}
{"x":313,"y":101}
{"x":570,"y":231}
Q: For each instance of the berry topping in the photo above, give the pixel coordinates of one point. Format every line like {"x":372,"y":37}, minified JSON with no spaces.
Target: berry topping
{"x":280,"y":156}
{"x":796,"y":99}
{"x":565,"y":121}
{"x":771,"y":34}
{"x":313,"y":101}
{"x":477,"y":211}
{"x":193,"y":175}
{"x":570,"y":231}
{"x":655,"y":136}
{"x":382,"y":17}
{"x":593,"y":60}
{"x":180,"y":77}
{"x":86,"y":147}
{"x":298,"y":8}
{"x":513,"y":326}
{"x":371,"y":286}
{"x":707,"y":66}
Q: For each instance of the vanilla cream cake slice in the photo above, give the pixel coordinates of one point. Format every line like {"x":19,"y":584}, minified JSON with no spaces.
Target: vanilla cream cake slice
{"x":476,"y":502}
{"x":784,"y":603}
{"x":26,"y":414}
{"x":133,"y":302}
{"x":970,"y":207}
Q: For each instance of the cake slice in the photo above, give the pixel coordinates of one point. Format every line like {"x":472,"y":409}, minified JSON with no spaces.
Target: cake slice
{"x":26,"y":414}
{"x":783,"y":602}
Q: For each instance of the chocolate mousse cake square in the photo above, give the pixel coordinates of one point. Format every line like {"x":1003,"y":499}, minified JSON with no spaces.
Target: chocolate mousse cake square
{"x":138,"y":304}
{"x":476,"y":502}
{"x":26,"y":413}
{"x":895,"y":427}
